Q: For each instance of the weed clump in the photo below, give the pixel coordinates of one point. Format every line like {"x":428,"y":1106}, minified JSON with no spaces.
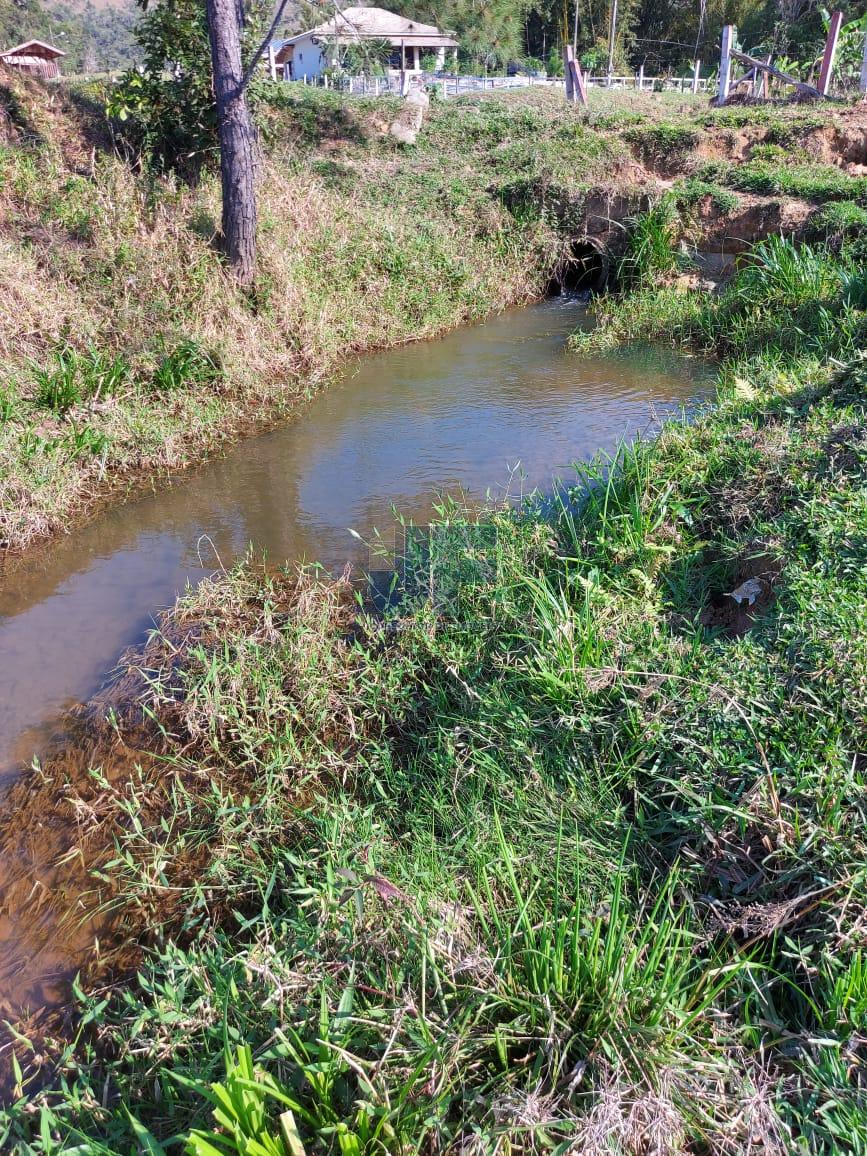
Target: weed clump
{"x":75,"y":377}
{"x":188,"y":365}
{"x":652,"y":254}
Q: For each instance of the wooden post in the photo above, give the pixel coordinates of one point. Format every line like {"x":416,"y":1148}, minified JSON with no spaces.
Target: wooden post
{"x":272,"y":61}
{"x":863,"y":83}
{"x":830,"y":52}
{"x":725,"y":62}
{"x":578,"y":85}
{"x":641,"y":78}
{"x":568,"y":57}
{"x":696,"y":72}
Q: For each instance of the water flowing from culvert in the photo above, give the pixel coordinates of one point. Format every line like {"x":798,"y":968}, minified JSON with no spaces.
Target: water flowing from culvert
{"x":499,"y":408}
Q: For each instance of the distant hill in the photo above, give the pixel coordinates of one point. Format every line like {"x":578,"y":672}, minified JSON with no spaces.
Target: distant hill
{"x":96,"y":35}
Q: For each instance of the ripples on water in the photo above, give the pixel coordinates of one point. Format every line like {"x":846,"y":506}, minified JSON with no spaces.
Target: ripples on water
{"x":497,"y":409}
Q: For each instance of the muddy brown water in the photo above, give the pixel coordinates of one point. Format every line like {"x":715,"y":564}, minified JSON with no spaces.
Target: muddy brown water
{"x":494,"y":410}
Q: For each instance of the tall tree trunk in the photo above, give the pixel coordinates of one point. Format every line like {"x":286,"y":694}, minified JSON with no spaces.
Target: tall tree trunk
{"x":237,"y":140}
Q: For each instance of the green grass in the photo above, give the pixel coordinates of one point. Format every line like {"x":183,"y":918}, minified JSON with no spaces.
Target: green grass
{"x":810,"y":181}
{"x":567,"y":857}
{"x":789,"y":300}
{"x":570,"y":857}
{"x":665,"y":141}
{"x":691,"y":191}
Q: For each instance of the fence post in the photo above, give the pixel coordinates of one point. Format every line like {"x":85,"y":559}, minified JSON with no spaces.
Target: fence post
{"x":641,"y":78}
{"x":725,"y":63}
{"x":696,"y":72}
{"x":568,"y":57}
{"x":830,"y":52}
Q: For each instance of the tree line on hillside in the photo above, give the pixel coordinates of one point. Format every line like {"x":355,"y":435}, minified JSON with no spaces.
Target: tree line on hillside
{"x":94,"y":40}
{"x":661,"y":35}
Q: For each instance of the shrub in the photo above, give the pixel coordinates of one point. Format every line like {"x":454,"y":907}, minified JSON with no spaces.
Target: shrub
{"x":651,"y":253}
{"x":555,"y":62}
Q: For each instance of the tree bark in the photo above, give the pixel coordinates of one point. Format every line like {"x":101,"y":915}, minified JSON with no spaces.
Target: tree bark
{"x":237,"y":140}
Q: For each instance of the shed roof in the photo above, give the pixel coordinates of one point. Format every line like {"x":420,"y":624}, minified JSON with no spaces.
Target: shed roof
{"x":33,"y":48}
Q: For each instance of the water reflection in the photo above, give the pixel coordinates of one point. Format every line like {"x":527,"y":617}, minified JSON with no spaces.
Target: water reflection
{"x":497,"y":407}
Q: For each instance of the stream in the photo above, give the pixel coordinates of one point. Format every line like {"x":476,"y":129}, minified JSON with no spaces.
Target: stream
{"x":498,"y":409}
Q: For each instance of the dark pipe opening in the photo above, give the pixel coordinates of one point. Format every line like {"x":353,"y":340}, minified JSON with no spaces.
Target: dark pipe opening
{"x":583,"y":268}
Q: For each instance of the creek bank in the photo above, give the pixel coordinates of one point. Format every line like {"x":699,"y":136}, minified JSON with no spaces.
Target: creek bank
{"x":489,"y":857}
{"x":133,"y":356}
{"x":321,"y":796}
{"x":130,"y":356}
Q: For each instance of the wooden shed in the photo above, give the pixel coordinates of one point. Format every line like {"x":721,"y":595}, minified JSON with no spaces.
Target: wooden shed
{"x":35,"y":57}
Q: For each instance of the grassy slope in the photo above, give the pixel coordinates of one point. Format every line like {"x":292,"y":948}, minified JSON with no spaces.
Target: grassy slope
{"x":127,"y":352}
{"x":573,"y":860}
{"x":362,"y":245}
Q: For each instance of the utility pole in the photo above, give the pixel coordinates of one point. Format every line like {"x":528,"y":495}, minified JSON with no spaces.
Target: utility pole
{"x":612,"y":32}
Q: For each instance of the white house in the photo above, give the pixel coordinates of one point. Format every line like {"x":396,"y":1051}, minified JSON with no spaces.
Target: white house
{"x":309,"y":54}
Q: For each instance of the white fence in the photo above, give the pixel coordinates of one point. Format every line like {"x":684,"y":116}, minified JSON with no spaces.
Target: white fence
{"x":451,"y":86}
